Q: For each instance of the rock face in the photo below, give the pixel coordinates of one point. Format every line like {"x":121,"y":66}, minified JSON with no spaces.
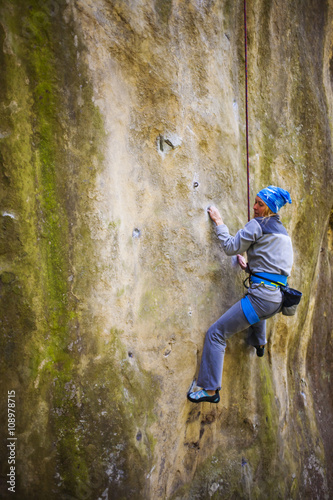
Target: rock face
{"x":121,"y":121}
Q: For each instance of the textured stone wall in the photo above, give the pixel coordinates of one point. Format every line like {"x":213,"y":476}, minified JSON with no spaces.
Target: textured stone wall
{"x":120,"y":122}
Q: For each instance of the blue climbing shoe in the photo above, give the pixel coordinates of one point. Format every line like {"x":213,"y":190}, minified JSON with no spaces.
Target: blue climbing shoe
{"x":203,"y":396}
{"x":260,"y":350}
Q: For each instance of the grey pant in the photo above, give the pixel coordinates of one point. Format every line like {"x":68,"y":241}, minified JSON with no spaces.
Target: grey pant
{"x":233,"y":321}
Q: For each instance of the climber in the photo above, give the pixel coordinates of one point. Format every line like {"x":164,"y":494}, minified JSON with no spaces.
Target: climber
{"x":270,"y":254}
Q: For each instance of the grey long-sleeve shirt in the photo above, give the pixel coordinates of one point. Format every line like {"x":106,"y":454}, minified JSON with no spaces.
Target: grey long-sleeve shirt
{"x":268,"y":248}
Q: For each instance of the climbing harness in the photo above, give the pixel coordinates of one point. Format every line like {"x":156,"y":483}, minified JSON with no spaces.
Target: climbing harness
{"x":249,"y":311}
{"x":269,"y":279}
{"x":291,"y":297}
{"x":262,"y":279}
{"x":247,"y":118}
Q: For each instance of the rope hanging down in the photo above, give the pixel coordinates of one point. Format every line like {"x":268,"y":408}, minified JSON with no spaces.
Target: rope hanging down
{"x":247,"y":118}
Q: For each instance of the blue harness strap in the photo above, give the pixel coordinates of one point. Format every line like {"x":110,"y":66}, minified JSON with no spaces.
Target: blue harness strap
{"x":269,"y":279}
{"x":249,"y":311}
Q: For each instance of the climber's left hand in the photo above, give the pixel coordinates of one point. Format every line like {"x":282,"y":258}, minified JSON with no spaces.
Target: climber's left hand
{"x":242,"y":262}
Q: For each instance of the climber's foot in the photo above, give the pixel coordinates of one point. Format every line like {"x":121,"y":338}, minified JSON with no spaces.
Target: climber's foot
{"x":260,"y":350}
{"x":203,"y":396}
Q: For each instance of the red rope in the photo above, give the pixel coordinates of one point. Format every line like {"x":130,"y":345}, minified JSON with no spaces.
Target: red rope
{"x":247,"y":118}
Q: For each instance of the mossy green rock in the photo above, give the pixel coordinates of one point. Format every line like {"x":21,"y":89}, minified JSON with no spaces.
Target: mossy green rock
{"x":120,"y":122}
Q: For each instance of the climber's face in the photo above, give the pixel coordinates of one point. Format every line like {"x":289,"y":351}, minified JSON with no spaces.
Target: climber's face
{"x":259,"y":207}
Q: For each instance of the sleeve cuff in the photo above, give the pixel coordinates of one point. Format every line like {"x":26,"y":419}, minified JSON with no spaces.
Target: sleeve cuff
{"x":221,"y":229}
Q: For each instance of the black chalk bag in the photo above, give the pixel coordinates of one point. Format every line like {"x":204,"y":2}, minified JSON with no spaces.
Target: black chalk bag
{"x":291,"y":299}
